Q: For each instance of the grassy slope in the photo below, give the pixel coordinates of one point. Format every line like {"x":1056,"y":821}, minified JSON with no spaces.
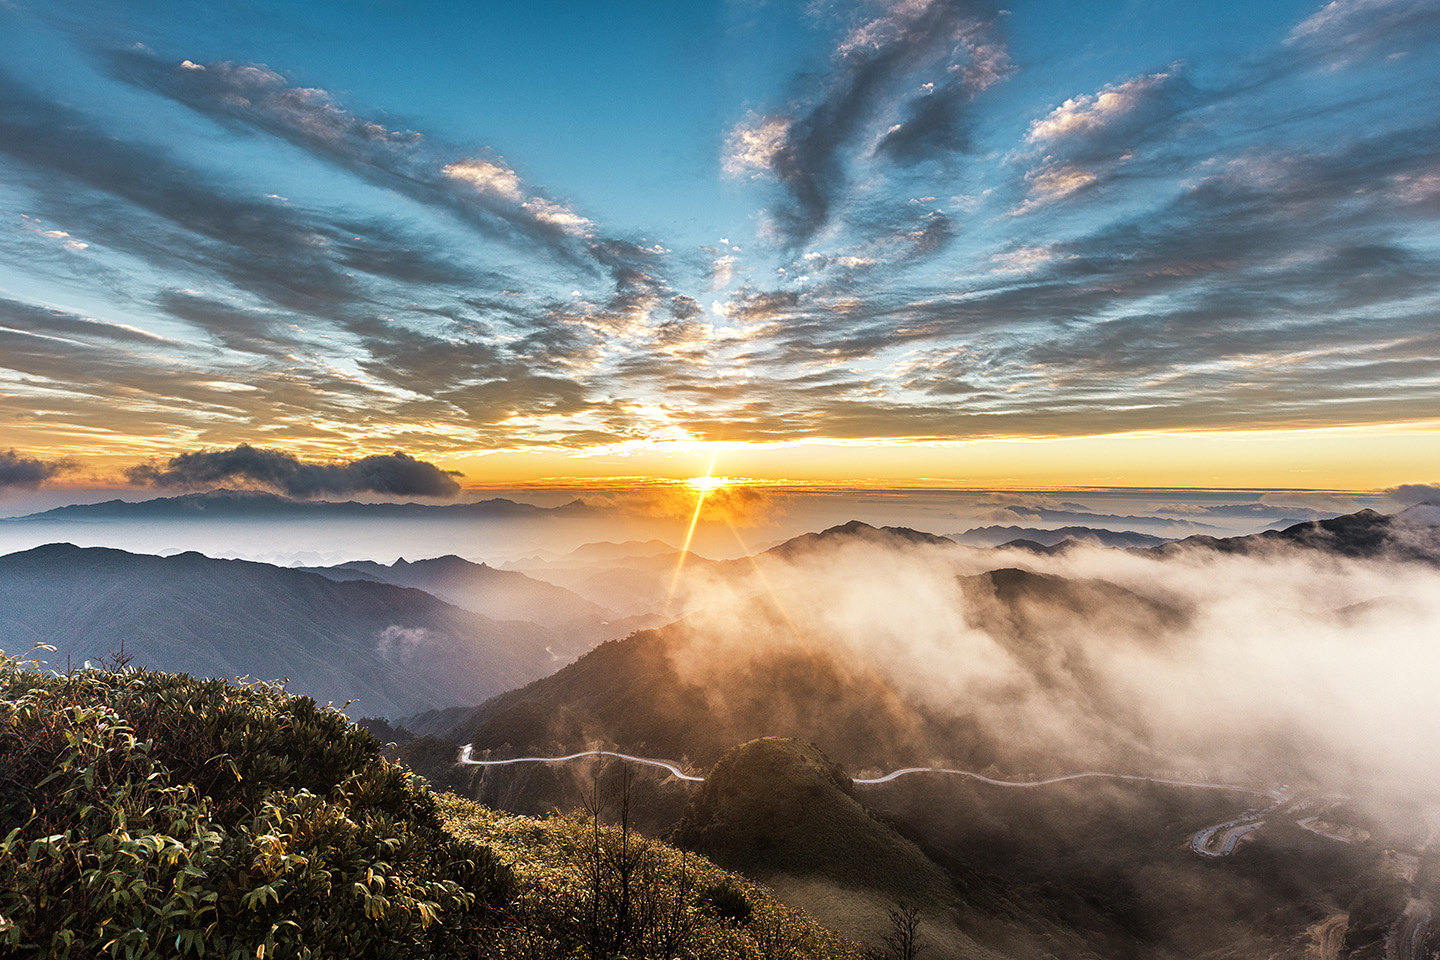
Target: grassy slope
{"x":147,"y":814}
{"x":547,"y":856}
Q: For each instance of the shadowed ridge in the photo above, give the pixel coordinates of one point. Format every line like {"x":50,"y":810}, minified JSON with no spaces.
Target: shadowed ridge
{"x":856,"y":530}
{"x":775,"y":805}
{"x":1409,"y":535}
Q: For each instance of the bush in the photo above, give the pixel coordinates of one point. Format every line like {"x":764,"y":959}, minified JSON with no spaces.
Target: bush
{"x":147,"y":814}
{"x":726,"y":901}
{"x":151,"y":815}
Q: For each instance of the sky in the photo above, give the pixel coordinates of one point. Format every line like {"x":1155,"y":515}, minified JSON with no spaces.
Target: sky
{"x":427,"y":247}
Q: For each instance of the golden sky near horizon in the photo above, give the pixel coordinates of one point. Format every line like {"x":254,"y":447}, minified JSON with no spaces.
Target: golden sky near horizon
{"x":1347,"y":458}
{"x":919,"y":243}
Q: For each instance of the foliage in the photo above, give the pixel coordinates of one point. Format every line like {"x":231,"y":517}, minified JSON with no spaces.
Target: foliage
{"x":902,"y":941}
{"x":147,"y":814}
{"x":726,"y":901}
{"x":569,"y":872}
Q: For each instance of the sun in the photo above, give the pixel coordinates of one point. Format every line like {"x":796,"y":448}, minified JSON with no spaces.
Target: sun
{"x":707,"y":485}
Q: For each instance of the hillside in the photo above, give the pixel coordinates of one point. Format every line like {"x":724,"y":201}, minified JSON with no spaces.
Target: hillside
{"x":577,"y":623}
{"x":778,"y":806}
{"x":1412,"y":534}
{"x":392,"y":649}
{"x":146,"y":814}
{"x":630,"y":692}
{"x":855,"y":531}
{"x":257,"y":505}
{"x":994,"y":536}
{"x":645,"y":692}
{"x":634,"y":585}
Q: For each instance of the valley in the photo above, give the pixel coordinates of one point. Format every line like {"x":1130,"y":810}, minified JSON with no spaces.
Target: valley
{"x":1008,"y":740}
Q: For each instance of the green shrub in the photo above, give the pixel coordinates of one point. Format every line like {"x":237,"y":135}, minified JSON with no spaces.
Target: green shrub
{"x":726,"y":901}
{"x":147,"y":814}
{"x":558,"y":906}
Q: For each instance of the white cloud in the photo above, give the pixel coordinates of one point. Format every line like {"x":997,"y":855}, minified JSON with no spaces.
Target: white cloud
{"x":487,"y":177}
{"x":1092,"y":112}
{"x":753,"y":146}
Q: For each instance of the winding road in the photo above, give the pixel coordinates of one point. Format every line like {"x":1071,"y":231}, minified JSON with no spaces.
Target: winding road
{"x":1219,"y":840}
{"x":468,"y":749}
{"x":1083,"y":775}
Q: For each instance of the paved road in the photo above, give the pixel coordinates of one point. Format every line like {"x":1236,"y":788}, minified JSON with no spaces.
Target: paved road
{"x":1408,"y":936}
{"x":675,"y":771}
{"x":467,"y":758}
{"x":1084,"y":775}
{"x":1219,"y":840}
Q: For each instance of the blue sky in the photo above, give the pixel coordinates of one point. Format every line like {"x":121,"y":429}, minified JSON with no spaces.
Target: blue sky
{"x":335,"y":229}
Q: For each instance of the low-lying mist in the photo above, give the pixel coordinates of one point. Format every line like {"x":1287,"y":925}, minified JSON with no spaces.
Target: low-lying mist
{"x":1287,"y":666}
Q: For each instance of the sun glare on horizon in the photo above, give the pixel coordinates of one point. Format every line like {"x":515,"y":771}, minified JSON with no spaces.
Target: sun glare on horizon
{"x":707,"y":485}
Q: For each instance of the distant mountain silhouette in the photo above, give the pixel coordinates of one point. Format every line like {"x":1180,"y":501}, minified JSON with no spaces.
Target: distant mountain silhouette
{"x":578,"y":623}
{"x":634,"y":585}
{"x":589,"y":552}
{"x":1413,"y":535}
{"x":997,"y":536}
{"x":395,"y":650}
{"x":855,"y":531}
{"x":258,"y":505}
{"x":633,"y":693}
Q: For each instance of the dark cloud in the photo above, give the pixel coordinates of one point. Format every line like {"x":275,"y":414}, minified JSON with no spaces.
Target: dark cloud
{"x":483,"y":191}
{"x":139,"y":199}
{"x":21,"y":471}
{"x":395,"y":474}
{"x":936,"y":124}
{"x":1413,"y":493}
{"x":1346,"y":31}
{"x":809,"y":146}
{"x":252,"y":96}
{"x":1091,"y":139}
{"x":48,"y":321}
{"x":265,"y":333}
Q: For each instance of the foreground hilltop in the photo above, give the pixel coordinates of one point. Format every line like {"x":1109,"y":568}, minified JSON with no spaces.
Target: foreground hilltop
{"x":149,"y":814}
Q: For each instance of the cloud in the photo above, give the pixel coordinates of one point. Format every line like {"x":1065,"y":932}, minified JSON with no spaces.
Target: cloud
{"x":485,"y":192}
{"x":1088,"y":138}
{"x":1346,"y":30}
{"x":487,"y":177}
{"x":402,"y":644}
{"x":736,"y":504}
{"x":1274,"y":667}
{"x":395,"y":474}
{"x":1413,"y":493}
{"x":902,"y":80}
{"x":27,"y":472}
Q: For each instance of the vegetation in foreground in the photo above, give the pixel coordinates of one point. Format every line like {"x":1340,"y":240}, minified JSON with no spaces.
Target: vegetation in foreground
{"x":145,"y":814}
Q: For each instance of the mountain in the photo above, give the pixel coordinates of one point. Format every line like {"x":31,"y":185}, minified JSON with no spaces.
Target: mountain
{"x":634,"y":586}
{"x":240,"y":821}
{"x":780,"y":806}
{"x":856,"y":531}
{"x":1410,"y":535}
{"x":631,"y":693}
{"x":644,"y":693}
{"x":993,"y":536}
{"x":577,"y":623}
{"x":592,"y":552}
{"x":394,"y":650}
{"x":258,"y":505}
{"x":779,"y":810}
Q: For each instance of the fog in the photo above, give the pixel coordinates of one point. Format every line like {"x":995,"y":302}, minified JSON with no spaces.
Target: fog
{"x":1283,"y":665}
{"x":734,"y":521}
{"x":1286,"y":666}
